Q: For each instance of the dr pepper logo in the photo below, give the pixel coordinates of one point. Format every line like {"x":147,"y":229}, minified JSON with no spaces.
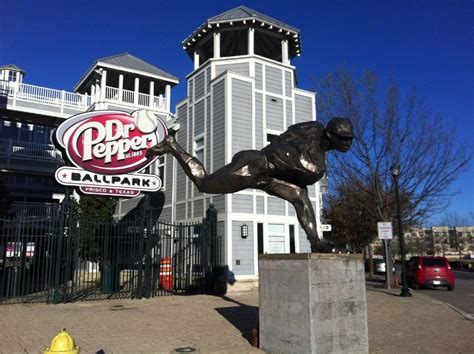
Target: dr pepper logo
{"x":111,"y":142}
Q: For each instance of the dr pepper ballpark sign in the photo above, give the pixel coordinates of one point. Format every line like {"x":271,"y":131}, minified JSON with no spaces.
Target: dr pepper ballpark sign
{"x":108,"y":148}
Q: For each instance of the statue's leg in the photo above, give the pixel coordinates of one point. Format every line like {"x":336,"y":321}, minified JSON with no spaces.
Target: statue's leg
{"x":243,"y":172}
{"x":304,"y":210}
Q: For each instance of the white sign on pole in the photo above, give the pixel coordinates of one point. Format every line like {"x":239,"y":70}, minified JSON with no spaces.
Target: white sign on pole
{"x":326,"y":227}
{"x":385,"y":230}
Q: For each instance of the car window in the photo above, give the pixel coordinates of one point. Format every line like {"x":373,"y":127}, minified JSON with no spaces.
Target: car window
{"x":434,"y":262}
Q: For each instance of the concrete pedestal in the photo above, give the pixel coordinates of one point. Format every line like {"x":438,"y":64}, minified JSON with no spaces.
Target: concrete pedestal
{"x":312,"y":303}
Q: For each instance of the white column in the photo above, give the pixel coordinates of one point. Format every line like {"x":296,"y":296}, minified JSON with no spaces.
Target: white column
{"x":152,"y":93}
{"x":92,"y":93}
{"x":103,"y":84}
{"x":6,"y":73}
{"x":17,"y":81}
{"x":284,"y":52}
{"x":97,"y":91}
{"x":120,"y":88}
{"x":251,"y":41}
{"x":217,"y":45}
{"x":196,"y":60}
{"x":137,"y":87}
{"x":168,"y":98}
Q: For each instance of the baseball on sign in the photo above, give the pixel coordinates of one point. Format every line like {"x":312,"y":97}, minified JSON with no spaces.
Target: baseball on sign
{"x":145,"y":121}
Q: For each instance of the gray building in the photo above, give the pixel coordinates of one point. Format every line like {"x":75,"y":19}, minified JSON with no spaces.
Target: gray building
{"x":241,"y":93}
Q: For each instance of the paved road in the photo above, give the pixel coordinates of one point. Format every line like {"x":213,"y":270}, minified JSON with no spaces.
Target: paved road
{"x":463,"y":295}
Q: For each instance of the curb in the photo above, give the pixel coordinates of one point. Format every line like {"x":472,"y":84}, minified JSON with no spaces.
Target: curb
{"x":467,"y":316}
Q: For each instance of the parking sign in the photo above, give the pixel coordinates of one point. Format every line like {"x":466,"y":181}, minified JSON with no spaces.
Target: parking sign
{"x":385,"y":230}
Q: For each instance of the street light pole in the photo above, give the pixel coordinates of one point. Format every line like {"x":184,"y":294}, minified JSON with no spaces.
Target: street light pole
{"x":405,"y":291}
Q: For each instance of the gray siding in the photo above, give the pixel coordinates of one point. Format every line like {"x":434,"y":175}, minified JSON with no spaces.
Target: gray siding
{"x":208,"y":79}
{"x":291,"y":210}
{"x":305,"y":246}
{"x":289,"y":113}
{"x":168,"y":182}
{"x":191,"y":90}
{"x":127,"y":205}
{"x":165,"y":214}
{"x":208,"y":134}
{"x":312,"y":190}
{"x":260,"y":205}
{"x":276,"y":206}
{"x":182,"y":137}
{"x":180,"y":211}
{"x":221,"y":229}
{"x":242,"y":249}
{"x":274,"y":108}
{"x":199,"y":86}
{"x":273,"y":81}
{"x":198,"y":209}
{"x":199,"y":118}
{"x":219,"y":203}
{"x":241,"y":115}
{"x":288,"y":86}
{"x":219,"y":125}
{"x":241,"y":68}
{"x":303,"y":109}
{"x":258,"y":76}
{"x":242,"y":203}
{"x":258,"y":121}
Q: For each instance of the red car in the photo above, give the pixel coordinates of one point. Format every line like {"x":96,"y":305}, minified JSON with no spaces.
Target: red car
{"x":429,"y":271}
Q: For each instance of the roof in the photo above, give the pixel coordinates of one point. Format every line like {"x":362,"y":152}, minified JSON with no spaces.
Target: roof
{"x":12,"y":67}
{"x":130,"y":62}
{"x":248,"y":17}
{"x":243,"y":12}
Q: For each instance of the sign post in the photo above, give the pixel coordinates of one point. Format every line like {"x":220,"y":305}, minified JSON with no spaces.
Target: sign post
{"x":385,"y":233}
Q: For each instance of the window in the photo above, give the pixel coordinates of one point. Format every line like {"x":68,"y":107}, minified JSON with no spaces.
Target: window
{"x":199,"y":148}
{"x":158,"y":169}
{"x":260,"y":238}
{"x":276,"y":238}
{"x":12,"y":76}
{"x":292,"y":238}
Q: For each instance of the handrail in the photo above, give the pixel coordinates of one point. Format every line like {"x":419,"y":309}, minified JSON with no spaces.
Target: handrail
{"x":39,"y":94}
{"x":15,"y":148}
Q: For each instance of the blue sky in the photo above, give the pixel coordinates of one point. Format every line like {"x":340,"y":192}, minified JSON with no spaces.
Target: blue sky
{"x":422,"y":43}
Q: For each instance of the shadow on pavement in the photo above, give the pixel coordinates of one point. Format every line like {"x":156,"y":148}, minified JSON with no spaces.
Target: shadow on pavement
{"x":243,"y":317}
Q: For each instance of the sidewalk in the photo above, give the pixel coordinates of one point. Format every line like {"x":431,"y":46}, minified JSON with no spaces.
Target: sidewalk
{"x":214,"y":324}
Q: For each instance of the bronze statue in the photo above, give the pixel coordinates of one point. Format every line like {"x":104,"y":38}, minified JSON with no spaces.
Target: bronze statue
{"x":292,"y":161}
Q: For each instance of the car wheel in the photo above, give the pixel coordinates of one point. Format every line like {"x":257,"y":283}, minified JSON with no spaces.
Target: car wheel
{"x":450,"y":287}
{"x":415,"y":286}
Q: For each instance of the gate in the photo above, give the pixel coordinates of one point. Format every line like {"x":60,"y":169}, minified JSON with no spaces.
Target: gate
{"x":61,"y":258}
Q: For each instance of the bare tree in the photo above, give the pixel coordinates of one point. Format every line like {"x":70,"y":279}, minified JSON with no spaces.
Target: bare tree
{"x":387,"y":129}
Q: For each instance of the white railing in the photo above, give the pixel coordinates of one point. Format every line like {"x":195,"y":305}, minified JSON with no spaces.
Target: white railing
{"x":13,"y":148}
{"x":44,"y":95}
{"x":112,"y":93}
{"x":63,"y":99}
{"x":128,"y":97}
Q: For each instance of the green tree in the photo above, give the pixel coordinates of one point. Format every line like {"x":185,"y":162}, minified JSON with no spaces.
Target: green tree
{"x":92,"y":214}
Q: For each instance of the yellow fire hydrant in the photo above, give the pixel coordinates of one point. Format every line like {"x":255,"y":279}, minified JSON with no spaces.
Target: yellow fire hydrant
{"x":63,"y":343}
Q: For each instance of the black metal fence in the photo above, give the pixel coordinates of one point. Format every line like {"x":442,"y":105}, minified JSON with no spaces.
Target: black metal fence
{"x":61,"y":258}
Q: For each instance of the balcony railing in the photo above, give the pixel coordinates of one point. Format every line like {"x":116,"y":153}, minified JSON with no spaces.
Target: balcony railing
{"x":33,"y":209}
{"x":19,"y":149}
{"x":60,"y":98}
{"x":44,"y":95}
{"x":129,"y":97}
